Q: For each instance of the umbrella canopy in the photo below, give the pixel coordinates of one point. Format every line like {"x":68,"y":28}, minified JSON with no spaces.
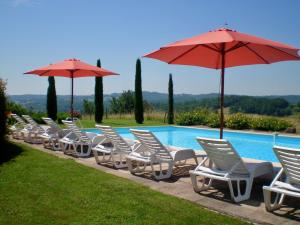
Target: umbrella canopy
{"x":72,"y":68}
{"x":223,"y":48}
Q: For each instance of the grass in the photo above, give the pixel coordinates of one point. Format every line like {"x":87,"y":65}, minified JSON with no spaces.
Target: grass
{"x":125,"y":120}
{"x":37,"y":188}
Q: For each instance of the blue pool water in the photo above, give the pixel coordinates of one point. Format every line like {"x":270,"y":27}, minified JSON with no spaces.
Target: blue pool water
{"x":248,"y":145}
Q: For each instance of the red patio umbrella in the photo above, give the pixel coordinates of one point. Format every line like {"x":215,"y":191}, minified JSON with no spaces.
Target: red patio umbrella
{"x":223,"y":48}
{"x":72,"y":68}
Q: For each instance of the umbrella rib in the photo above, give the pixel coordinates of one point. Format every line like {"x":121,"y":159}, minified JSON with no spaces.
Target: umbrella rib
{"x":214,"y":49}
{"x":44,"y":72}
{"x":191,"y":49}
{"x":238,"y":45}
{"x":259,"y":56}
{"x":297,"y":57}
{"x":217,"y":48}
{"x":182,"y":54}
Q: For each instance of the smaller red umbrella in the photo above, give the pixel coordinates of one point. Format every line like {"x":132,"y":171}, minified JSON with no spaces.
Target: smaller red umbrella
{"x":72,"y":68}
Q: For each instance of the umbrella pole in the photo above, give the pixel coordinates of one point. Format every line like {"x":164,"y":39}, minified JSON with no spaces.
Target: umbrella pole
{"x":222,"y":91}
{"x":72,"y":84}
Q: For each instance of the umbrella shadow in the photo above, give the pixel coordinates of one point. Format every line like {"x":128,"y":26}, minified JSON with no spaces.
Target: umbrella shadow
{"x":290,"y":209}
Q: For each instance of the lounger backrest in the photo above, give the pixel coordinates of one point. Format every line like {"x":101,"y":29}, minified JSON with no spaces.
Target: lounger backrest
{"x":19,"y":120}
{"x":54,"y":128}
{"x":51,"y":123}
{"x":82,"y":136}
{"x":118,"y":142}
{"x":223,"y":155}
{"x":32,"y":122}
{"x":290,"y":161}
{"x":150,"y":142}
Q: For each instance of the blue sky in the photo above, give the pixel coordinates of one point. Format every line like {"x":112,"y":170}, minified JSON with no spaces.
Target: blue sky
{"x":35,"y":33}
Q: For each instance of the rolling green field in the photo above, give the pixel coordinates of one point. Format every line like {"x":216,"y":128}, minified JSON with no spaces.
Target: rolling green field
{"x":37,"y":188}
{"x":125,"y":120}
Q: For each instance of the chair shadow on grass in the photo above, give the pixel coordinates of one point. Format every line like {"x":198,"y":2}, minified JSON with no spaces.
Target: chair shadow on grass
{"x":9,"y":151}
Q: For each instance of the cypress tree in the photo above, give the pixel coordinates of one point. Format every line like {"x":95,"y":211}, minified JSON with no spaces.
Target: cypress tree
{"x":171,"y":101}
{"x":3,"y":117}
{"x":51,"y":99}
{"x":138,"y":108}
{"x":98,"y":97}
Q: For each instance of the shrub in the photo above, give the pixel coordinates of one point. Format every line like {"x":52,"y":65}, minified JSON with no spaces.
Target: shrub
{"x":234,"y":121}
{"x":62,"y":116}
{"x":37,"y":116}
{"x":238,"y":121}
{"x":270,"y":124}
{"x":185,"y":119}
{"x":75,"y":114}
{"x":193,"y":118}
{"x":213,"y":120}
{"x":16,"y":108}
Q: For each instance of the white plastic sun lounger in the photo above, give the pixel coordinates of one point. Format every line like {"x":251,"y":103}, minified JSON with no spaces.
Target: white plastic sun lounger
{"x":53,"y":135}
{"x":287,"y":181}
{"x":77,"y":141}
{"x":226,"y":165}
{"x":153,"y":152}
{"x":33,"y":135}
{"x":113,"y":148}
{"x":19,"y":127}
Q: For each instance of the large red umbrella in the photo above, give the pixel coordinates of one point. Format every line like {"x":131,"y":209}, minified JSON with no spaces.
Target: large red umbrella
{"x":72,"y":68}
{"x":223,"y":48}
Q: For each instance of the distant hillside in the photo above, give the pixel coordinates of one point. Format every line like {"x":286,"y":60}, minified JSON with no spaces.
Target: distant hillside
{"x":290,"y":98}
{"x":38,"y":102}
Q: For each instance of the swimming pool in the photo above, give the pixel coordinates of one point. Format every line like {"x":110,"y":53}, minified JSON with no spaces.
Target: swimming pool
{"x":249,"y":145}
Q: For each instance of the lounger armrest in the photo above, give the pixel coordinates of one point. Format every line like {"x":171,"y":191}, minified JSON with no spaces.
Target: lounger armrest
{"x":183,"y":154}
{"x":259,"y":169}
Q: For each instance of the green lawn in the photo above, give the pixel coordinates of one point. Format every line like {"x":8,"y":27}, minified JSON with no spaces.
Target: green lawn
{"x":120,"y":122}
{"x":37,"y":188}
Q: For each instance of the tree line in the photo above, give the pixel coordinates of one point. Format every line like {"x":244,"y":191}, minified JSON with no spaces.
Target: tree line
{"x":242,"y":104}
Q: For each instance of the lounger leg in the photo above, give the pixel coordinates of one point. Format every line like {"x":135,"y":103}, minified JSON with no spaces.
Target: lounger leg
{"x":121,"y":163}
{"x":81,"y":152}
{"x":204,"y":185}
{"x":55,"y":144}
{"x":138,"y":168}
{"x":46,"y":143}
{"x":240,"y":196}
{"x":65,"y":147}
{"x":161,"y":174}
{"x":104,"y":158}
{"x":276,"y":204}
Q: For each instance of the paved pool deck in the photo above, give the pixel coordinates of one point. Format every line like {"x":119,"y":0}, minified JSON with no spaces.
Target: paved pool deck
{"x":218,"y":200}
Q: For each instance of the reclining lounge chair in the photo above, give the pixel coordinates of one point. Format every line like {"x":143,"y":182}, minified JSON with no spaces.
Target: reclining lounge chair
{"x":113,"y":148}
{"x":225,"y":164}
{"x":287,"y":181}
{"x":153,"y":152}
{"x":53,"y":135}
{"x":77,"y":141}
{"x":19,"y":128}
{"x":32,"y":135}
